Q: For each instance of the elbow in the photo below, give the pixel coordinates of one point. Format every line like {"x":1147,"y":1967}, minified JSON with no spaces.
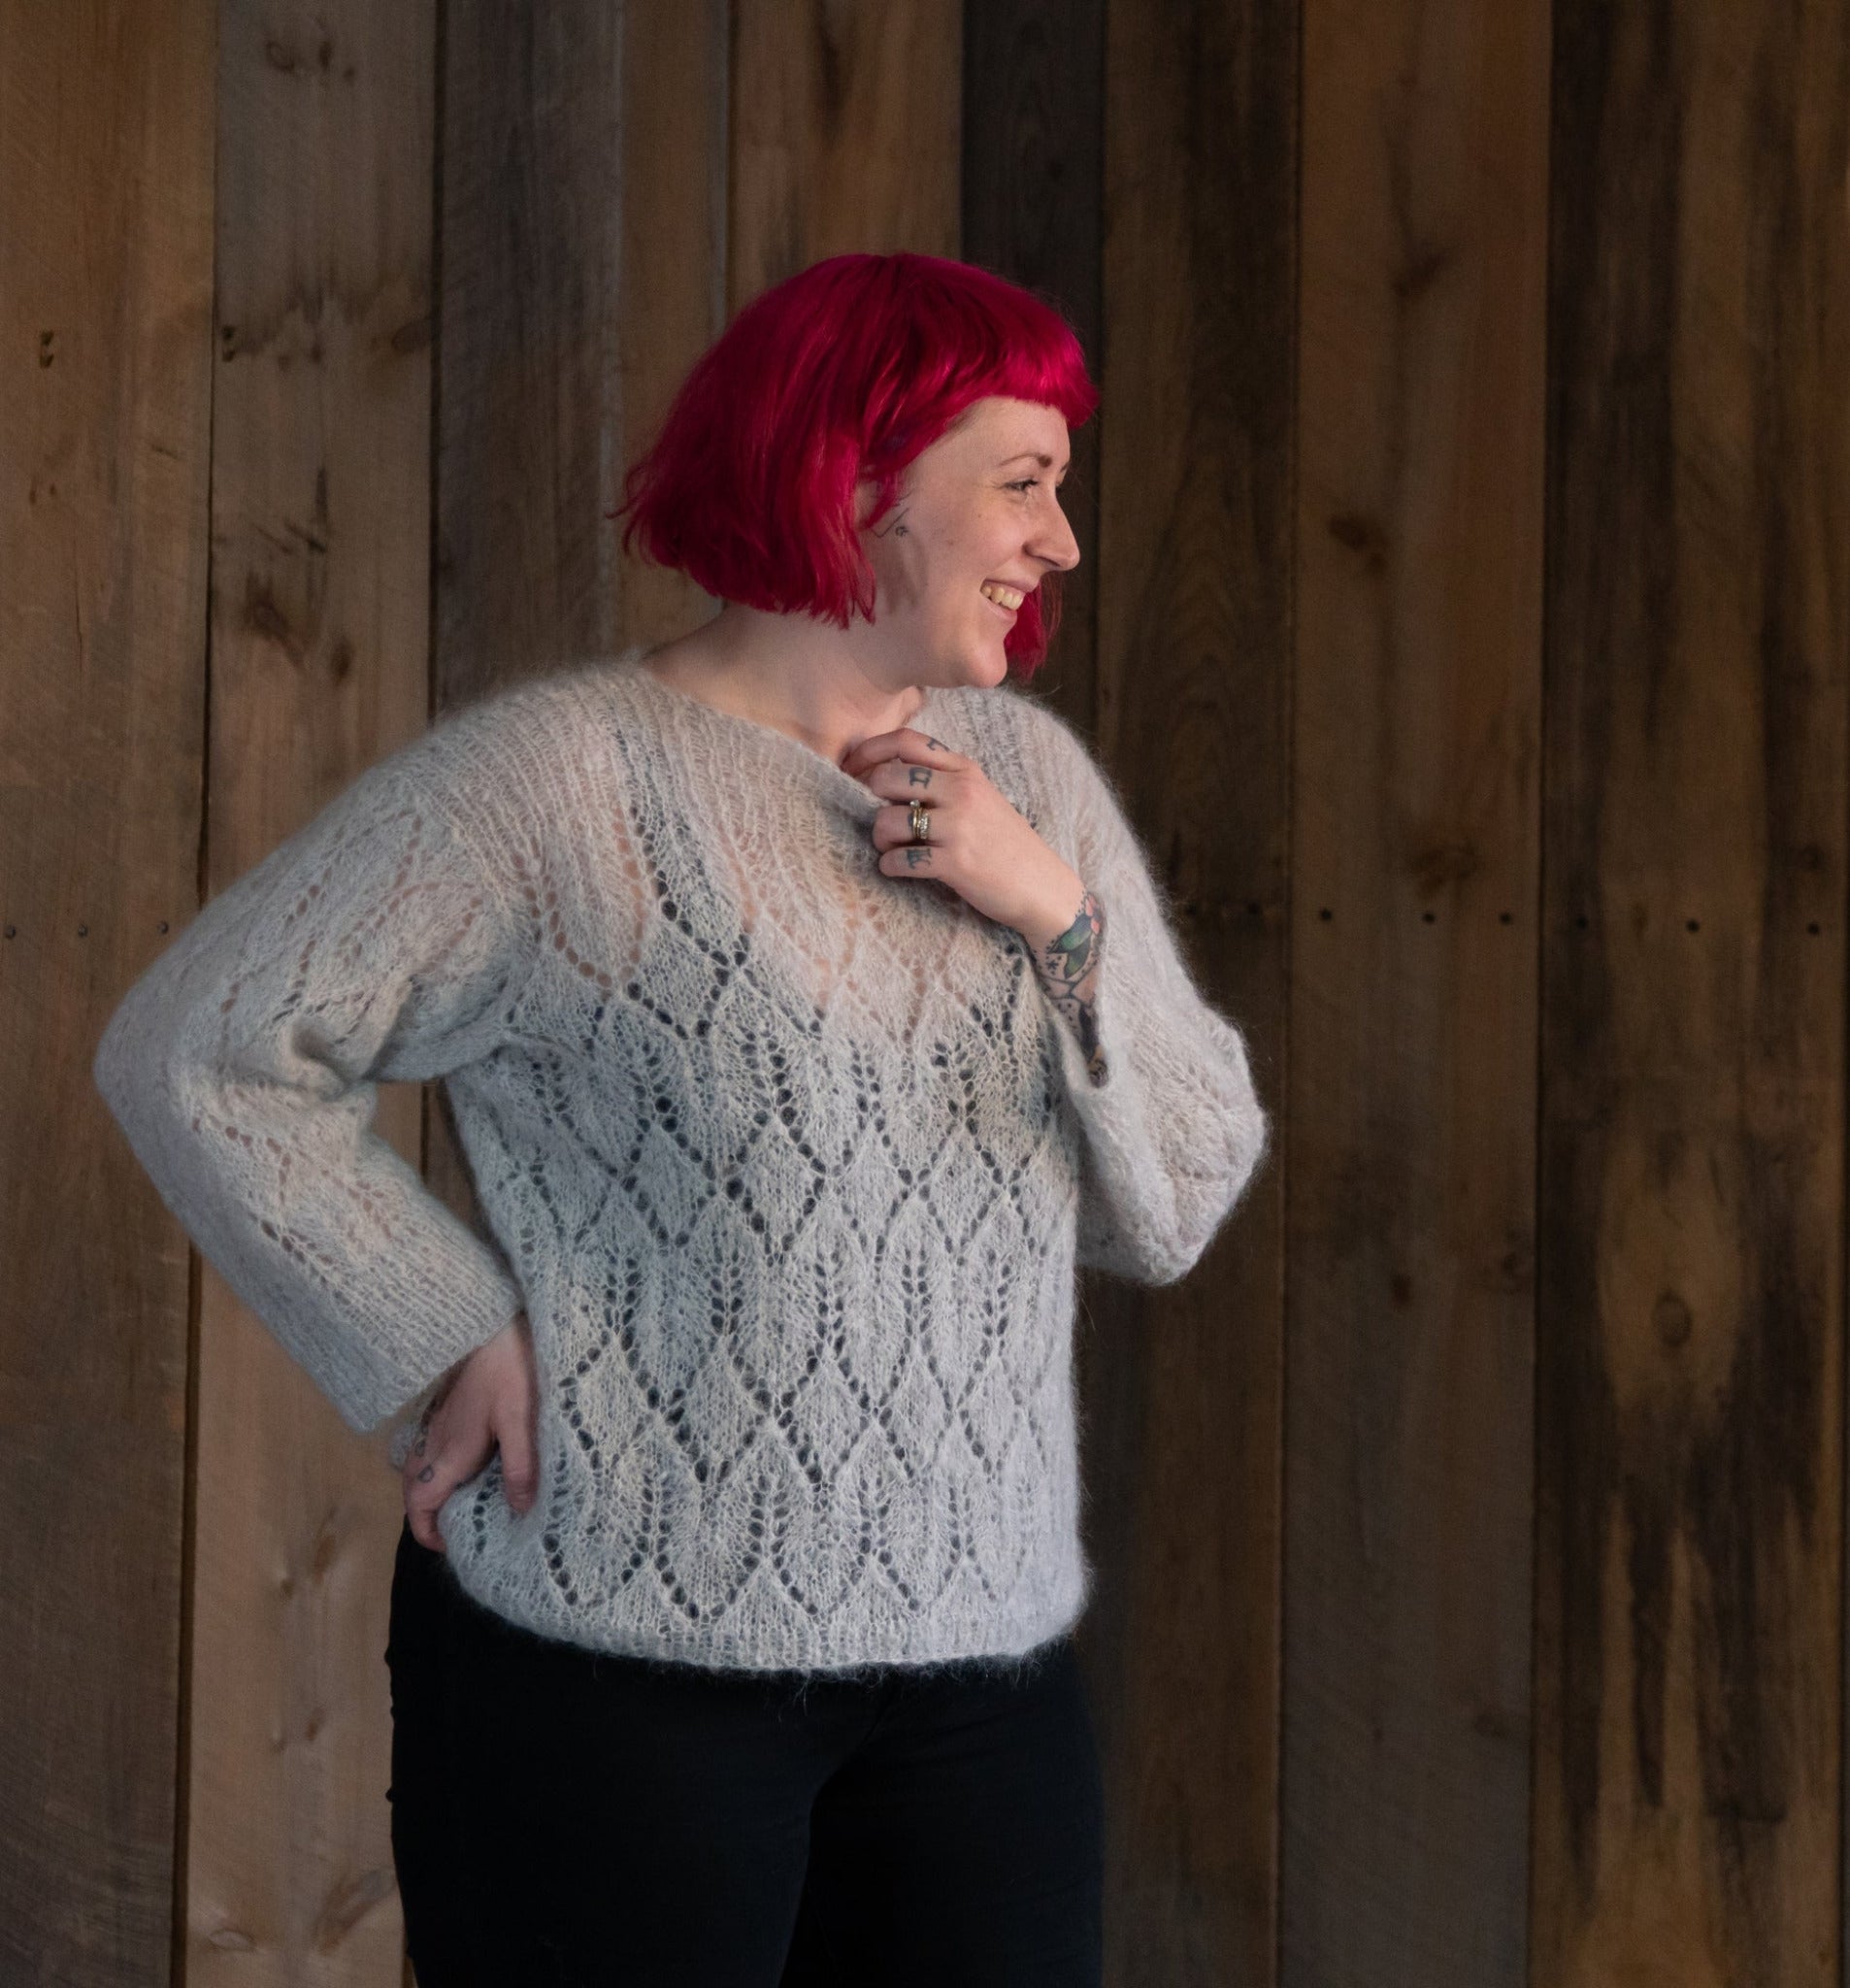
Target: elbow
{"x":151,"y":1088}
{"x":120,"y":1065}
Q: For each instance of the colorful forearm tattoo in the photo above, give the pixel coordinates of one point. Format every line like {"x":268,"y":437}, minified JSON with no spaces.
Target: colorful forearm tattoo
{"x":1068,"y":969}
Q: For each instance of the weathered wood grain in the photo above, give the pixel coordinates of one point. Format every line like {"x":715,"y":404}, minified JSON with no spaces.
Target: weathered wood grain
{"x":583,"y":259}
{"x":106,"y":165}
{"x":845,"y":134}
{"x":1689,"y":1700}
{"x":1033,"y":211}
{"x":671,"y":289}
{"x":1182,"y":1387}
{"x":319,"y":666}
{"x":1414,"y":876}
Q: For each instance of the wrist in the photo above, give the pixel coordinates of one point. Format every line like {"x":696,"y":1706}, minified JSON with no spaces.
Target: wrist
{"x":1066,"y":949}
{"x":1054,"y":917}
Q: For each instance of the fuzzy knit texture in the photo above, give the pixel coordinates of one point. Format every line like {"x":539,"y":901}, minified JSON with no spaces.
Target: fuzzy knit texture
{"x":790,"y":1163}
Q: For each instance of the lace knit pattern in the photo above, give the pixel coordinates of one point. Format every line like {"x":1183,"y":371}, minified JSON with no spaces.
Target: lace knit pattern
{"x":790,"y":1163}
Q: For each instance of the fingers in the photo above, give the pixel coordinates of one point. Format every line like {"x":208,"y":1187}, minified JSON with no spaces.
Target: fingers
{"x":905,"y":744}
{"x":442,"y":1458}
{"x":908,"y":780}
{"x":918,"y":859}
{"x":903,"y":783}
{"x":491,"y":1405}
{"x":426,"y":1486}
{"x":893,"y":825}
{"x":516,"y":1426}
{"x":519,"y":1475}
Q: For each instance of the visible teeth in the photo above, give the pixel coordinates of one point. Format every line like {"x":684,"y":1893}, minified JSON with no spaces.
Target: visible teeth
{"x":1002,"y":596}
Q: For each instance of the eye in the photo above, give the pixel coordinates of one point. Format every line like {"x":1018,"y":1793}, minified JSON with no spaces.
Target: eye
{"x":1026,"y":483}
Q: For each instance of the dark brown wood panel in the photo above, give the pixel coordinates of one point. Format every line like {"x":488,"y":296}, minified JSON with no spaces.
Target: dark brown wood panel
{"x":1689,"y":1636}
{"x":672,"y":296}
{"x":106,"y":169}
{"x":582,"y":271}
{"x":1182,"y":1387}
{"x":1033,"y":211}
{"x":1414,"y":879}
{"x":844,"y":135}
{"x":319,"y":666}
{"x":530,"y":250}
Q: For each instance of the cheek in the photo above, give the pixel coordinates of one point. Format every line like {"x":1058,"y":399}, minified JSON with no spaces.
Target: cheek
{"x":962,"y":558}
{"x":948,"y":579}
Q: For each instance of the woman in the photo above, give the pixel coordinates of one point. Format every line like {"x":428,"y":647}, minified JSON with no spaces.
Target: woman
{"x":808,"y":1010}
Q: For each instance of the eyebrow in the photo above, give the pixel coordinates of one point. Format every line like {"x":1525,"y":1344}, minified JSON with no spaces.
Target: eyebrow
{"x":1029,"y":455}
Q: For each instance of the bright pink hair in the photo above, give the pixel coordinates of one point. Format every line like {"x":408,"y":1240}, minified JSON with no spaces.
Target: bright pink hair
{"x":850,"y":368}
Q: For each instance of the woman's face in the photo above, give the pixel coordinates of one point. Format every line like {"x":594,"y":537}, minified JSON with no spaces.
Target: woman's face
{"x":978,"y":514}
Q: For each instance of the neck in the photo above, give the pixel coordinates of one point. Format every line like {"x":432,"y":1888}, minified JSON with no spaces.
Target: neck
{"x":827,"y":687}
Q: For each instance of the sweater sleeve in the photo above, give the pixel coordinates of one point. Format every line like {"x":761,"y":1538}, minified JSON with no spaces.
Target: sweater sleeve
{"x":243,"y":1067}
{"x":1175,"y":1131}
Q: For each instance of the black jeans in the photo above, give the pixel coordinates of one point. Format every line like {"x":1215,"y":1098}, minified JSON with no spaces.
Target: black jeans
{"x":566,"y":1819}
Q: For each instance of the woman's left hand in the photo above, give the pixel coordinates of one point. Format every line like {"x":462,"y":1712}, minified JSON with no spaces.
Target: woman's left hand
{"x":978,"y":845}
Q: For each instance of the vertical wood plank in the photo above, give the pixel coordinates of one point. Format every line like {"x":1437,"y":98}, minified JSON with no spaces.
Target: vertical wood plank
{"x":677,"y":97}
{"x":1414,"y":880}
{"x":845,"y":134}
{"x":1689,"y":1703}
{"x":582,"y":252}
{"x":1183,"y":1387}
{"x":1033,"y":211}
{"x":319,"y":665}
{"x":529,"y":253}
{"x":106,"y":159}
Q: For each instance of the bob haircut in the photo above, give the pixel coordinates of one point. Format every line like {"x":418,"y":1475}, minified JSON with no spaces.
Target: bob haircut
{"x":848,"y":369}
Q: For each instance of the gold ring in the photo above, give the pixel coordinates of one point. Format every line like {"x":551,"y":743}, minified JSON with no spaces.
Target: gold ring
{"x":921,"y":822}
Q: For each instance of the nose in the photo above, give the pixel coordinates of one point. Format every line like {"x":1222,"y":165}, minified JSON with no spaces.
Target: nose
{"x":1053,"y":541}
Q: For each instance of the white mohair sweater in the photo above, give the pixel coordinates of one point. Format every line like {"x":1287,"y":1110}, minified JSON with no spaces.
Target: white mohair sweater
{"x":788,"y":1162}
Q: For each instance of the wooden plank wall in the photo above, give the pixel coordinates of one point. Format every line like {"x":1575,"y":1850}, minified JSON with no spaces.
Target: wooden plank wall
{"x":319,"y":667}
{"x":1416,"y":791}
{"x":106,"y":275}
{"x":1689,"y":1795}
{"x":1190,"y":705}
{"x":1464,"y":611}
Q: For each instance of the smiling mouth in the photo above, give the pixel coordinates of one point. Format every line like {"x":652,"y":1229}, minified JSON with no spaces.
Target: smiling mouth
{"x":1007,"y":598}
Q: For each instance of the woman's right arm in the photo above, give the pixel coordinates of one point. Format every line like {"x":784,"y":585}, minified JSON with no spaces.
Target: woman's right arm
{"x":383,"y":942}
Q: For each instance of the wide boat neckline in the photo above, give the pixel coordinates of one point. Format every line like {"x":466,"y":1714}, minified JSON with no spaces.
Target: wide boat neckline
{"x":867,"y":800}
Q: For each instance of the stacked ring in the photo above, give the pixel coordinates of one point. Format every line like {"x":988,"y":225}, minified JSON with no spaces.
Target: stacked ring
{"x":921,"y":822}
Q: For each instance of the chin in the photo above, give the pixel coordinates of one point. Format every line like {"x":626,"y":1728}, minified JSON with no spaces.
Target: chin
{"x":980,"y":664}
{"x":988,"y":667}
